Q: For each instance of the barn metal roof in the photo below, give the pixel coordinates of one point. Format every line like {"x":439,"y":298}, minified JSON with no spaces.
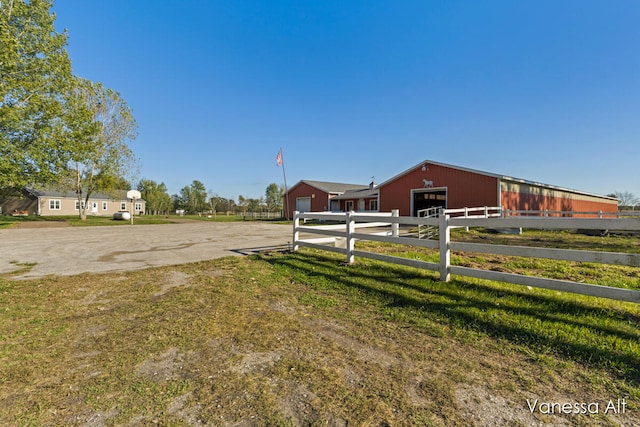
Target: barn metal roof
{"x":363,"y":193}
{"x":498,"y":176}
{"x":332,"y":187}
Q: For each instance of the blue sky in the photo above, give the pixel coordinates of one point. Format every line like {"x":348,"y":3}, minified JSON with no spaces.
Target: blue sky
{"x":542,"y":90}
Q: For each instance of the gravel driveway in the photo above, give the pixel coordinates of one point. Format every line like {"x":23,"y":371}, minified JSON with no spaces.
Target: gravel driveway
{"x":73,"y":250}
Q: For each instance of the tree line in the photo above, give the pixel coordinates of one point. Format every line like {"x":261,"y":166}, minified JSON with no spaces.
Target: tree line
{"x":196,"y":199}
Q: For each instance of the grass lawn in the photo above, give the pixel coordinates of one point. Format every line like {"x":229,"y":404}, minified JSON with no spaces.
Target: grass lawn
{"x":288,"y":339}
{"x":9,"y":221}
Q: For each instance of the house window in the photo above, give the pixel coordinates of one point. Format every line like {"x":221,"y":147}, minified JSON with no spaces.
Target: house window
{"x":348,"y":205}
{"x":54,"y":205}
{"x":123,"y":206}
{"x":78,"y":205}
{"x":138,"y":207}
{"x":373,"y":205}
{"x":104,"y":206}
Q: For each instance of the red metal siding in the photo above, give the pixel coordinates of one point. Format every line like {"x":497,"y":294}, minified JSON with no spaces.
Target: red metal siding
{"x":517,"y":196}
{"x":319,"y":198}
{"x":464,"y":188}
{"x":367,"y":203}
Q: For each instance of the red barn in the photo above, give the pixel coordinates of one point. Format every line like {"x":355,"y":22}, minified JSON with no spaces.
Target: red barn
{"x":432,"y":184}
{"x":317,"y":196}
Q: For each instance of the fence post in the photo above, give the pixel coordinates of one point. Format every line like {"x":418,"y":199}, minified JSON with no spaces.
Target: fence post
{"x":296,"y":233}
{"x":445,"y":253}
{"x":466,"y":215}
{"x":395,"y":227}
{"x":351,"y":228}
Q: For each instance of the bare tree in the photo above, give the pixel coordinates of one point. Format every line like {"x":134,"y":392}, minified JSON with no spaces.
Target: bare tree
{"x":626,"y":199}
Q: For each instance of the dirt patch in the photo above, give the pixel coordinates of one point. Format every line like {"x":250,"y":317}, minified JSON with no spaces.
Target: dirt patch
{"x":256,"y":361}
{"x":180,"y":408}
{"x":163,"y":367}
{"x":96,"y":419}
{"x":485,"y":409}
{"x":336,"y":335}
{"x":173,"y":279}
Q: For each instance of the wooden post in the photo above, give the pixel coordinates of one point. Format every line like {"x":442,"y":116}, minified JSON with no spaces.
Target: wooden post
{"x":466,"y":215}
{"x":351,"y":228}
{"x":296,"y":233}
{"x":395,"y":227}
{"x":445,"y":252}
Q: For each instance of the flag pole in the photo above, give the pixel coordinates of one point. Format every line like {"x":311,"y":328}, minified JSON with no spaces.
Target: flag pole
{"x":280,"y":162}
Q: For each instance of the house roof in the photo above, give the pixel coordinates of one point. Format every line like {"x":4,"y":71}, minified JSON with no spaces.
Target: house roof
{"x":363,"y":193}
{"x":498,"y":176}
{"x":331,"y":187}
{"x":118,"y":195}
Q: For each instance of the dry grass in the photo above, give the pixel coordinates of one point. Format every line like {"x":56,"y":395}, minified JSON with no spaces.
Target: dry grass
{"x":300,"y":339}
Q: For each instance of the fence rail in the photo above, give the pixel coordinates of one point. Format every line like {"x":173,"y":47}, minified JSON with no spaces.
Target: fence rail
{"x":260,"y":215}
{"x":576,"y":214}
{"x":385,"y":227}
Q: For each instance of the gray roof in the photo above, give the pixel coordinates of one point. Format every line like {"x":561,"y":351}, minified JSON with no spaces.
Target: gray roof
{"x":364,"y":193}
{"x":117,"y":195}
{"x":332,"y":187}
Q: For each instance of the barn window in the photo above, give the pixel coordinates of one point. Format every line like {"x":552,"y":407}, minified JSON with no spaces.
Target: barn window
{"x":373,"y":205}
{"x":348,"y":205}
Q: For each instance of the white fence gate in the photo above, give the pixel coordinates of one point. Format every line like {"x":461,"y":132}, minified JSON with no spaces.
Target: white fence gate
{"x":384,"y":227}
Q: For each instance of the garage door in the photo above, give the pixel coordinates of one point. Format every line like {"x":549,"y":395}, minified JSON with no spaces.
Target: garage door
{"x":303,"y":204}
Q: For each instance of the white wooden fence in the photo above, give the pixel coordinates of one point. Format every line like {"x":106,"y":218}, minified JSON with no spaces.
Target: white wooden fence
{"x":261,"y":215}
{"x":573,"y":214}
{"x":385,"y":227}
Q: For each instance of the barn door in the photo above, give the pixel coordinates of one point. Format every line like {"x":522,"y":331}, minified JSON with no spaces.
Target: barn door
{"x":303,"y":204}
{"x":425,"y":199}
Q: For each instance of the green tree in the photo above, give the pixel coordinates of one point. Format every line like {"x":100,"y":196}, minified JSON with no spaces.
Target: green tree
{"x":255,"y":205}
{"x":242,"y":203}
{"x":177,"y":202}
{"x":100,"y":155}
{"x":193,"y":197}
{"x":156,"y":196}
{"x":35,"y":77}
{"x":221,"y":204}
{"x":273,"y":197}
